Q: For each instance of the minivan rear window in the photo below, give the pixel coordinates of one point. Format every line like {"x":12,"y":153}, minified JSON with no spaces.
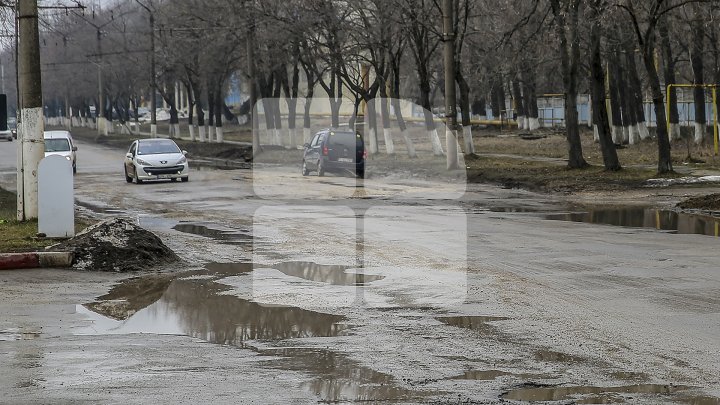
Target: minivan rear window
{"x":57,"y":145}
{"x":346,"y":139}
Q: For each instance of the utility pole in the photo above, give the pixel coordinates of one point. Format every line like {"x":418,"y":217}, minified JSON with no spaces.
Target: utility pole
{"x":32,"y":143}
{"x":153,"y":84}
{"x":450,"y":102}
{"x":100,"y":108}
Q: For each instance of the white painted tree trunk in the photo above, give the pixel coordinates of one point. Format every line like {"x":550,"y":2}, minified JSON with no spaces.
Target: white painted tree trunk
{"x":521,"y":122}
{"x":435,"y":141}
{"x":675,"y":134}
{"x":625,"y":135}
{"x":534,"y":124}
{"x":372,"y":144}
{"x":191,"y":129}
{"x":644,"y":131}
{"x":452,"y":147}
{"x":201,"y":133}
{"x":109,"y":127}
{"x":219,"y":134}
{"x":292,"y":137}
{"x":153,"y":130}
{"x":468,"y":140}
{"x":211,"y":133}
{"x":389,"y":145}
{"x":634,"y":135}
{"x":409,"y":144}
{"x":277,"y":137}
{"x":596,"y":134}
{"x":176,"y":130}
{"x":307,"y":135}
{"x":699,"y":132}
{"x":617,"y":131}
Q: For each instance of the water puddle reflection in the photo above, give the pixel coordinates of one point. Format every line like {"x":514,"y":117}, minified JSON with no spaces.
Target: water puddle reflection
{"x":196,"y":308}
{"x":476,"y":323}
{"x":591,"y":395}
{"x":330,"y":274}
{"x":646,"y":218}
{"x":225,"y":236}
{"x":339,"y":378}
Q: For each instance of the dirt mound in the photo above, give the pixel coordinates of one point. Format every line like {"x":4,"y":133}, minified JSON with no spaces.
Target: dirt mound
{"x":117,"y":245}
{"x":709,"y":202}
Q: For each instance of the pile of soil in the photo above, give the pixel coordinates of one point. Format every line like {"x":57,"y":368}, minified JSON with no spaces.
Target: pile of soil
{"x":117,"y":245}
{"x":709,"y":202}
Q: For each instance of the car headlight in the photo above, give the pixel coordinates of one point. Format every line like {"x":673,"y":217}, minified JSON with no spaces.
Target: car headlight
{"x":142,"y":162}
{"x":182,"y":160}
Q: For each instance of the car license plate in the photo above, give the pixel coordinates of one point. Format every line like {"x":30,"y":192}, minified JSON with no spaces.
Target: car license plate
{"x":347,"y":160}
{"x":163,"y":176}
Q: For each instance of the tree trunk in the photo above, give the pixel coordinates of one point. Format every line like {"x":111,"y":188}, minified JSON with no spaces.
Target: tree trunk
{"x":465,"y":110}
{"x":600,"y":114}
{"x":570,"y":58}
{"x":669,"y":73}
{"x":664,"y":155}
{"x":518,"y":104}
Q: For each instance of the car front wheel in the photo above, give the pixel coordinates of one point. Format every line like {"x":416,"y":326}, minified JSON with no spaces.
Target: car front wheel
{"x":127,"y":178}
{"x":185,"y":179}
{"x":137,"y":179}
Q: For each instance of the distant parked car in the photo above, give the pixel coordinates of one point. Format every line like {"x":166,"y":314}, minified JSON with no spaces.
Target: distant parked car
{"x":12,"y":126}
{"x":335,"y":150}
{"x":61,"y":143}
{"x":155,"y":159}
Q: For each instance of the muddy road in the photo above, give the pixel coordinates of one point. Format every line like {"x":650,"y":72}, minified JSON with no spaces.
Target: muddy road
{"x":307,"y":289}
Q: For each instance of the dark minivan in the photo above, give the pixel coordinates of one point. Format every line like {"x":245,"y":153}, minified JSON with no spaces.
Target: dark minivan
{"x":335,"y":150}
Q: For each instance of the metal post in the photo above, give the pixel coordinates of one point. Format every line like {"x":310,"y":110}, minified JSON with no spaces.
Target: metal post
{"x":715,"y":119}
{"x":31,"y":112}
{"x":450,"y":102}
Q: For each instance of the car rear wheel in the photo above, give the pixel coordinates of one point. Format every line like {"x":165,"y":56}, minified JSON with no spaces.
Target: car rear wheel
{"x":320,"y":169}
{"x":305,"y":170}
{"x":127,"y":178}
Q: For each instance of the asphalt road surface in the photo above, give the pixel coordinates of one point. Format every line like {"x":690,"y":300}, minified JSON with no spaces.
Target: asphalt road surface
{"x":307,"y":289}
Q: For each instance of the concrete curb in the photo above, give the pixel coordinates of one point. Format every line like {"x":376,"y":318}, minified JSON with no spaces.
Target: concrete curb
{"x":34,"y":260}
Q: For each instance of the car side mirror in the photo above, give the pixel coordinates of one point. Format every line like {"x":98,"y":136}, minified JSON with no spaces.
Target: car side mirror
{"x":74,"y":148}
{"x":306,"y":146}
{"x":184,"y":152}
{"x":129,"y":155}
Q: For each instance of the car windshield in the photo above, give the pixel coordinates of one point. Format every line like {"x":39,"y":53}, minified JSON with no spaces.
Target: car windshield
{"x":57,"y":145}
{"x":348,"y":140}
{"x":157,"y":148}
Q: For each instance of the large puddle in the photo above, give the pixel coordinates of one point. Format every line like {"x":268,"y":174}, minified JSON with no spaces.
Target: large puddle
{"x":197,"y":308}
{"x":646,"y":218}
{"x":225,"y":236}
{"x":194,"y":304}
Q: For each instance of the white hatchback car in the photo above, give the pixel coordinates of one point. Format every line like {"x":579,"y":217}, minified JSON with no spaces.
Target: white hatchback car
{"x":155,"y":159}
{"x":61,"y":143}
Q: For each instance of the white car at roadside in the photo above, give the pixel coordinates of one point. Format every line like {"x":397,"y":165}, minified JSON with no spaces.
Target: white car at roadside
{"x":61,"y":143}
{"x":155,"y":159}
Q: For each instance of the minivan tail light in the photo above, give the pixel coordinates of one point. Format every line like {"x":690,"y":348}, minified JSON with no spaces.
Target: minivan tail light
{"x":365,"y":154}
{"x":325,"y":150}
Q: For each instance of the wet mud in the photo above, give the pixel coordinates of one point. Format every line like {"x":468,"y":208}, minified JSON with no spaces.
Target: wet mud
{"x":592,"y":395}
{"x":225,"y":236}
{"x":330,"y":274}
